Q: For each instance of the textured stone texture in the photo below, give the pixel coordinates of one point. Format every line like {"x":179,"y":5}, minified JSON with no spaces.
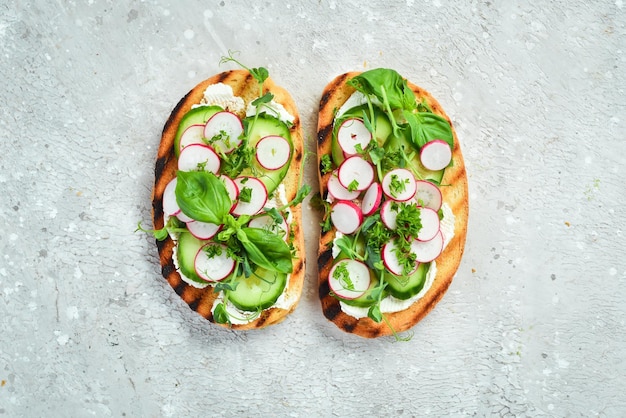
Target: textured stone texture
{"x":534,"y":323}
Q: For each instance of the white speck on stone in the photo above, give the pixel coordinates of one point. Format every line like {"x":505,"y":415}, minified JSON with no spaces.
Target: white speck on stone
{"x":612,"y":271}
{"x":189,"y":34}
{"x":619,"y":3}
{"x":208,"y":13}
{"x":53,"y":213}
{"x":191,"y":74}
{"x":587,"y":160}
{"x":3,"y":272}
{"x":247,"y":26}
{"x":78,"y":22}
{"x":166,"y":12}
{"x":32,"y":306}
{"x":78,"y":273}
{"x":409,"y":3}
{"x":457,"y":96}
{"x":332,"y":5}
{"x":63,"y":339}
{"x":555,"y":299}
{"x":71,"y":312}
{"x":436,"y":3}
{"x":13,"y":237}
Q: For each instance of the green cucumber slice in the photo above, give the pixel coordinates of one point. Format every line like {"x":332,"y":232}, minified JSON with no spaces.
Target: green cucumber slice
{"x":259,"y":291}
{"x":265,"y":125}
{"x":188,"y":247}
{"x":198,"y":115}
{"x":365,"y":300}
{"x":405,"y":287}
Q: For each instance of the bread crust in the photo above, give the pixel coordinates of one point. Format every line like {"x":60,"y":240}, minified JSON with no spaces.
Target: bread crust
{"x":201,"y":300}
{"x":454,"y":193}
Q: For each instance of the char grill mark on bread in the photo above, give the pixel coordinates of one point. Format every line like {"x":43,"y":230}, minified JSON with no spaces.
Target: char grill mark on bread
{"x":454,"y":194}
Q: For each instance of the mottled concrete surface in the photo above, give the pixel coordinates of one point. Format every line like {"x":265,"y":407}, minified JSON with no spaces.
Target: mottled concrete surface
{"x":534,"y":322}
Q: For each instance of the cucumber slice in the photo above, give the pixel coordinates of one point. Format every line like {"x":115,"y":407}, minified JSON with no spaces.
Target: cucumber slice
{"x":188,"y":247}
{"x":365,"y":300}
{"x":199,"y":115}
{"x":405,"y":287}
{"x":259,"y":291}
{"x":266,"y":125}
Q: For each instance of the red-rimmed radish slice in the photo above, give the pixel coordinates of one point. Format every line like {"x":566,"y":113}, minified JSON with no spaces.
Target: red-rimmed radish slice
{"x":198,"y":157}
{"x":427,"y":251}
{"x":353,"y":132}
{"x":228,"y":127}
{"x":346,"y":216}
{"x":371,"y":199}
{"x":430,"y":224}
{"x":428,"y":195}
{"x":337,"y":191}
{"x":273,"y":152}
{"x":170,"y":206}
{"x":203,"y":230}
{"x":192,"y":135}
{"x":436,"y":155}
{"x":388,"y":215}
{"x":349,"y":279}
{"x":267,"y":222}
{"x":184,"y":218}
{"x":231,"y":189}
{"x":212,"y":262}
{"x":399,"y":184}
{"x":355,"y":173}
{"x":389,"y":254}
{"x":258,"y":196}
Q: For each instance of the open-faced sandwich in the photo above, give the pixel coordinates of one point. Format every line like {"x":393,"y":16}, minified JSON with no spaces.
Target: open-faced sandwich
{"x":226,"y":200}
{"x":394,"y":189}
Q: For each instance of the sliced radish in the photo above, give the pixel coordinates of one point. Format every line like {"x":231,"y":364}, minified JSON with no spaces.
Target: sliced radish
{"x":355,"y":173}
{"x":337,"y":191}
{"x":198,"y":157}
{"x":223,"y":130}
{"x":351,"y":133}
{"x":436,"y":155}
{"x":349,"y":279}
{"x":430,"y":224}
{"x":273,"y":152}
{"x":267,"y":222}
{"x":170,"y":206}
{"x":428,"y":195}
{"x":371,"y":199}
{"x":388,"y":214}
{"x":389,"y":254}
{"x":203,"y":230}
{"x":192,"y":135}
{"x":212,"y":262}
{"x":399,"y":184}
{"x":427,"y":251}
{"x":231,"y":189}
{"x":258,"y":196}
{"x":184,"y":218}
{"x":346,"y":216}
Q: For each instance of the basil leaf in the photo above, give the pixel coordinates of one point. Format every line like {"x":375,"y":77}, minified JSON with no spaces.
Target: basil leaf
{"x":426,"y":126}
{"x":202,"y":196}
{"x":267,"y":250}
{"x":385,"y":84}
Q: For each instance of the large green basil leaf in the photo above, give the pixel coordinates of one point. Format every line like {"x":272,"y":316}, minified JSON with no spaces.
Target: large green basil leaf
{"x":267,"y":250}
{"x":386,"y":84}
{"x":202,"y":196}
{"x":426,"y":126}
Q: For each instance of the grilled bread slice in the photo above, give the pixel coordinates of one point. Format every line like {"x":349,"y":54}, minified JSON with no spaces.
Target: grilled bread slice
{"x":202,"y":300}
{"x":455,"y":194}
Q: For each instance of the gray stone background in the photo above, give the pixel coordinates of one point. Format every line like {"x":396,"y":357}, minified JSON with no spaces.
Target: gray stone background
{"x":534,"y":322}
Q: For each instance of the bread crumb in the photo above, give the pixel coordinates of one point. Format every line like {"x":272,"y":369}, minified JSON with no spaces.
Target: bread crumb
{"x":567,"y":224}
{"x":473,"y":270}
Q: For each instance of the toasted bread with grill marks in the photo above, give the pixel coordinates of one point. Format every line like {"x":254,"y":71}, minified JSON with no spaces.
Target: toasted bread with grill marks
{"x":201,"y":300}
{"x":455,"y":194}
